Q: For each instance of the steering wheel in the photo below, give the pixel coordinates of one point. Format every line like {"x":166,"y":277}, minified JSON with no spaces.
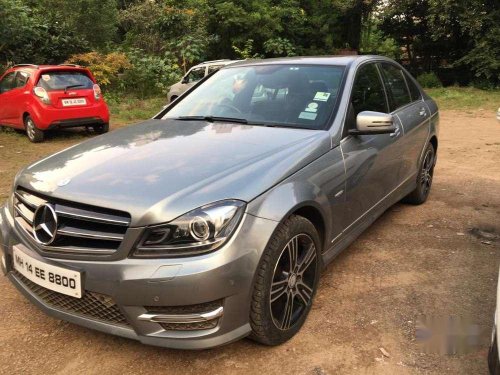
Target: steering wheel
{"x":230,"y":106}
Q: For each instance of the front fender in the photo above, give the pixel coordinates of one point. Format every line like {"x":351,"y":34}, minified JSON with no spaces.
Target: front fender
{"x":283,"y":200}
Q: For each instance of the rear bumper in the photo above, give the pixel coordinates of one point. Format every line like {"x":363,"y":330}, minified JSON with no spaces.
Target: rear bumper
{"x":151,"y":294}
{"x":76,"y":122}
{"x":48,"y":117}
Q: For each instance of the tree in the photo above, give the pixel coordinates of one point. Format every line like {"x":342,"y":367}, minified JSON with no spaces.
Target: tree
{"x":27,"y":35}
{"x":92,"y":20}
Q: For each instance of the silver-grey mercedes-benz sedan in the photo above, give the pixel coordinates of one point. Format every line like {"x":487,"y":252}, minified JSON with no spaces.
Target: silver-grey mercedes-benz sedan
{"x":213,"y":220}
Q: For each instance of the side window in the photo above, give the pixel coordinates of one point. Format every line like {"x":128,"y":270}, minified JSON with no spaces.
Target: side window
{"x":8,"y":82}
{"x":396,"y":86}
{"x":368,"y":92}
{"x":21,"y":79}
{"x":196,"y":74}
{"x":414,"y":91}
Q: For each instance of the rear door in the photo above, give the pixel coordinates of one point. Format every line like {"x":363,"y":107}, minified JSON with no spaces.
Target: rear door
{"x":407,"y":104}
{"x":68,"y":88}
{"x":372,"y":161}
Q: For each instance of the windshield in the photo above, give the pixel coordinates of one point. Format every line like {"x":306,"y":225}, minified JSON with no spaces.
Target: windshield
{"x":60,"y":80}
{"x":280,"y":95}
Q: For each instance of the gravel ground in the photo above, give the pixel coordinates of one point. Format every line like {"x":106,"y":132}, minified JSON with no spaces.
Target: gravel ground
{"x":428,"y":260}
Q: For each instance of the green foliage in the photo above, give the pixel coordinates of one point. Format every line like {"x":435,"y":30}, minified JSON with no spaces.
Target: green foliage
{"x":150,"y":75}
{"x":27,"y":35}
{"x":374,"y":42}
{"x":277,"y":47}
{"x":466,"y":98}
{"x":105,"y":68}
{"x":247,"y":51}
{"x":429,"y":80}
{"x":162,"y":38}
{"x":94,"y":21}
{"x":436,"y":33}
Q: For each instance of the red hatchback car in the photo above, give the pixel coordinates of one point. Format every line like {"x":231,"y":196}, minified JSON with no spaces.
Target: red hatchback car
{"x":38,"y":98}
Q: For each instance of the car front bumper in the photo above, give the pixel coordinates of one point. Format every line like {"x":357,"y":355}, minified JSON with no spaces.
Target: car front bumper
{"x":141,"y":288}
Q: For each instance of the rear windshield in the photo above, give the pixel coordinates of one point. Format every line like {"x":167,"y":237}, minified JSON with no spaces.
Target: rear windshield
{"x":61,"y":80}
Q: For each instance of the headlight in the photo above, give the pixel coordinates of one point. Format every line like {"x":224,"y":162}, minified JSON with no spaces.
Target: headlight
{"x":199,"y":231}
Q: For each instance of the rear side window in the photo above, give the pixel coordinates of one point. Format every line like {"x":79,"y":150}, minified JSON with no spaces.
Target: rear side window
{"x":21,"y":79}
{"x":396,"y":86}
{"x":414,"y":91}
{"x":368,"y":92}
{"x":60,"y":80}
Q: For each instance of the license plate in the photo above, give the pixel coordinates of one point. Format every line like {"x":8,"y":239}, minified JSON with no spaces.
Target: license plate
{"x":58,"y":279}
{"x":73,"y":102}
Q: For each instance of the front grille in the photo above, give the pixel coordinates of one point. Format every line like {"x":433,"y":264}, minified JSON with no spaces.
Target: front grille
{"x":80,"y":229}
{"x":92,"y":305}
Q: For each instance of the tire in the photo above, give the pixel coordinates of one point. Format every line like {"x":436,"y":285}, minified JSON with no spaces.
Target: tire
{"x":102,"y":128}
{"x":34,"y":134}
{"x":270,"y":317}
{"x":493,"y":361}
{"x":424,"y":178}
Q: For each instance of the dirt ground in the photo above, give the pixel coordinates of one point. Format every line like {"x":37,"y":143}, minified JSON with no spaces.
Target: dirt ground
{"x":414,"y":260}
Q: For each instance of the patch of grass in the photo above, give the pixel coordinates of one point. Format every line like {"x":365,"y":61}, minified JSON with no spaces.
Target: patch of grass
{"x":465,"y":98}
{"x":129,"y":110}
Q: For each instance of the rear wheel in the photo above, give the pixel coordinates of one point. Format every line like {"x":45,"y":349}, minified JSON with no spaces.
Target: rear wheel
{"x":101,"y":129}
{"x":286,"y":282}
{"x":424,"y":178}
{"x":34,"y":134}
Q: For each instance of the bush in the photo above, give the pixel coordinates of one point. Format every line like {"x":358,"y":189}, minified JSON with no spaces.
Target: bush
{"x":429,"y":80}
{"x":105,"y":68}
{"x":150,"y":75}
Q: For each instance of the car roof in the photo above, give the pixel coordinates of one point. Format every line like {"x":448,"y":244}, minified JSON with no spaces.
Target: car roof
{"x":32,"y":67}
{"x":311,"y":60}
{"x":216,"y":62}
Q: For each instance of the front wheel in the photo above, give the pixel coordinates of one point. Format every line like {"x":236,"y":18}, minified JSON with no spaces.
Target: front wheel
{"x":286,"y":282}
{"x":34,"y":134}
{"x":424,"y":178}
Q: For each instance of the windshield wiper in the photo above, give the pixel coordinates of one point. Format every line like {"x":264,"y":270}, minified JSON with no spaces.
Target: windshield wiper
{"x":238,"y":121}
{"x":71,"y":87}
{"x":213,"y":119}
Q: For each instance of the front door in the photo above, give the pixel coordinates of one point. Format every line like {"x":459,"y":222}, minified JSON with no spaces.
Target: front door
{"x":7,"y":84}
{"x":372,"y":162}
{"x":15,"y":100}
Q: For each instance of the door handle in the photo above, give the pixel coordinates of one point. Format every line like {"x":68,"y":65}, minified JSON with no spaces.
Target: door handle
{"x":422,"y":112}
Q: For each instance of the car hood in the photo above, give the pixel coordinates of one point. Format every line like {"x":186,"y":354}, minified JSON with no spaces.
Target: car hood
{"x":161,"y":169}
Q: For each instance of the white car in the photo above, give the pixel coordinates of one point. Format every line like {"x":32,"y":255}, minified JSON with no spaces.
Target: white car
{"x":193,"y":75}
{"x":494,"y":356}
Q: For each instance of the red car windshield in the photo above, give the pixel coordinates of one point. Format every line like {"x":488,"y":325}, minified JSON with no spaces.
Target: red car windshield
{"x":61,"y":80}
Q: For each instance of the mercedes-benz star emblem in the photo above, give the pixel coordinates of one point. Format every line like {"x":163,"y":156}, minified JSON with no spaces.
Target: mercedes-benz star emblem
{"x":45,"y":224}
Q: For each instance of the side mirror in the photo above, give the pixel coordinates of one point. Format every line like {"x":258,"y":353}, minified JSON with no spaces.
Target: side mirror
{"x":368,"y":122}
{"x":185,"y":79}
